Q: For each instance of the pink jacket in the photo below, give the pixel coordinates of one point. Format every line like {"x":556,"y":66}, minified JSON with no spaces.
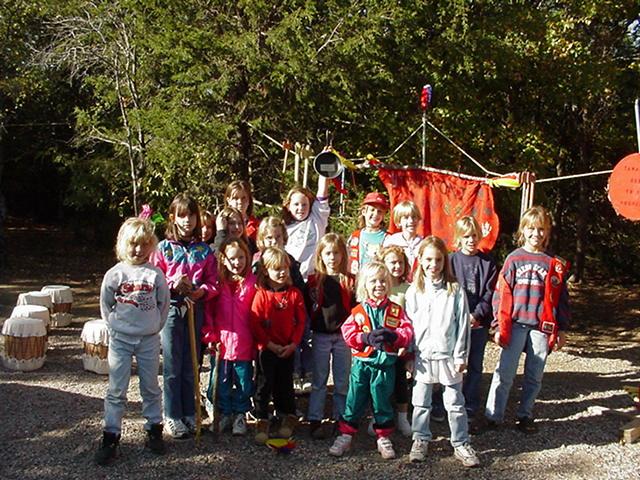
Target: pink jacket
{"x":227,"y":321}
{"x":196,"y":261}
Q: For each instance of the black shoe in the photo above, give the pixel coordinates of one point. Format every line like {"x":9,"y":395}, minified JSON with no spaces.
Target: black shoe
{"x":438,"y":414}
{"x":155,"y":442}
{"x":526,"y":425}
{"x":108,"y":449}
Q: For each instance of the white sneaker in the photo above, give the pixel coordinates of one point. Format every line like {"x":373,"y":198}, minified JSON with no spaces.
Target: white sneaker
{"x":190,"y":423}
{"x":370,"y":431}
{"x":297,"y":384}
{"x":385,"y":447}
{"x":419,"y":450}
{"x":467,"y":455}
{"x":175,"y":428}
{"x":404,"y":426}
{"x":226,"y":422}
{"x":307,"y":384}
{"x":239,"y":425}
{"x":341,"y":445}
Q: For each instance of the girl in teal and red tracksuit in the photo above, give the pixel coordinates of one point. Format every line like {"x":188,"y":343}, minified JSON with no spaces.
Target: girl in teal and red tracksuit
{"x":375,"y":330}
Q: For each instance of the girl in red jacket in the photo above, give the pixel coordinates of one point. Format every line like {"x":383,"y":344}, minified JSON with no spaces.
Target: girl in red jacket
{"x":227,"y":322}
{"x":277,"y":319}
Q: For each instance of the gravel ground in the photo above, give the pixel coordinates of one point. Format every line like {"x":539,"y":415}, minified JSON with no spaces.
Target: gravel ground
{"x":51,"y":423}
{"x":50,"y":419}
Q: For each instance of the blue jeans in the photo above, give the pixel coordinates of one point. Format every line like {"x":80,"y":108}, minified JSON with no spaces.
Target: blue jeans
{"x":329,"y":348}
{"x":534,"y":344}
{"x":122,"y":348}
{"x":177,"y":370}
{"x":473,"y":377}
{"x":235,"y":386}
{"x":453,"y":403}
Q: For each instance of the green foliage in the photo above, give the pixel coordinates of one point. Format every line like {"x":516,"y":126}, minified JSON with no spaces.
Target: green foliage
{"x":163,"y":95}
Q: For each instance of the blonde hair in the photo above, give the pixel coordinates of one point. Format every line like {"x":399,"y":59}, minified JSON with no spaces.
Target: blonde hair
{"x":405,"y":209}
{"x":537,"y":217}
{"x":367,"y":271}
{"x":266,"y":225}
{"x":399,"y":251}
{"x":181,"y":204}
{"x":362,"y":222}
{"x":447,"y":275}
{"x":286,"y":214}
{"x":465,"y":226}
{"x":134,"y":231}
{"x":239,"y":186}
{"x":274,"y":258}
{"x":223,"y":273}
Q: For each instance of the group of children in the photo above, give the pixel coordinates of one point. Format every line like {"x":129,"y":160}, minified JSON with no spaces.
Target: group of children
{"x":285,"y":299}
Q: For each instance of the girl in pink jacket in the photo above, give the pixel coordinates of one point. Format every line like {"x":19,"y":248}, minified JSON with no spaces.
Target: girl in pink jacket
{"x":227,"y":323}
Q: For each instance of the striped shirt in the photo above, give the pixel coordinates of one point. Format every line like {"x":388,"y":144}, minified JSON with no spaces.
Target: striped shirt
{"x":525,"y":273}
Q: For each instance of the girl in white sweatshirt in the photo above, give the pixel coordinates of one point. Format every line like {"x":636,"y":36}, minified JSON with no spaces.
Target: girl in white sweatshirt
{"x":438,"y":309}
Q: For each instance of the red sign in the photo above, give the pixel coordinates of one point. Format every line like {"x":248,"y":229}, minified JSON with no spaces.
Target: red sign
{"x":624,"y":187}
{"x":442,"y":199}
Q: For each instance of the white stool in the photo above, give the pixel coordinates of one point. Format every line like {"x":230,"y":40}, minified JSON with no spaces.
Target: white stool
{"x":95,"y":340}
{"x":62,"y":301}
{"x":24,"y":343}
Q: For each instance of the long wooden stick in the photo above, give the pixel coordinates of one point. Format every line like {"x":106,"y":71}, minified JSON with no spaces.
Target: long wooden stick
{"x":196,"y":369}
{"x":214,"y":389}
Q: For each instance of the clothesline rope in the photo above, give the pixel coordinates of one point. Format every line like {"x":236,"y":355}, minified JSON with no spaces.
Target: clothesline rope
{"x":460,"y":149}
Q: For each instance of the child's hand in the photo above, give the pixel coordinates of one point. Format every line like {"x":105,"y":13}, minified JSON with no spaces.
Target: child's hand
{"x":212,"y":347}
{"x":221,"y":223}
{"x":275,"y":348}
{"x":183,"y":286}
{"x":496,"y":339}
{"x":474,"y":323}
{"x":560,"y":342}
{"x":287,"y":350}
{"x":461,"y":367}
{"x":402,"y":351}
{"x":196,"y":294}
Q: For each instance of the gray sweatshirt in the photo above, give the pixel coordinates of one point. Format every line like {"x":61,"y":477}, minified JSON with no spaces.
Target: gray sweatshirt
{"x":134,"y":299}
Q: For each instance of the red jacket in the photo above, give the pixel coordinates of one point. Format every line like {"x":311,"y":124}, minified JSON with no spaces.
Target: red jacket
{"x":278,"y":317}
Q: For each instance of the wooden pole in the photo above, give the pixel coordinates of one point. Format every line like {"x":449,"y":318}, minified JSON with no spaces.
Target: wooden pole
{"x":195,"y":366}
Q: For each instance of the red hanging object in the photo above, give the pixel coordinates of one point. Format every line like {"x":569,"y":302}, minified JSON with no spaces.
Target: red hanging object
{"x":425,"y":97}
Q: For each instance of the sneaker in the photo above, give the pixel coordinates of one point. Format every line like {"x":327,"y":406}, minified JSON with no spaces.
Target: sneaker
{"x":190,"y":423}
{"x":226,"y":423}
{"x":419,"y":450}
{"x":239,"y":425}
{"x":526,"y":425}
{"x":297,"y":384}
{"x":307,"y":384}
{"x":341,"y":445}
{"x":176,"y":428}
{"x":108,"y":448}
{"x":385,"y":447}
{"x":467,"y":455}
{"x":370,"y":430}
{"x":155,"y":442}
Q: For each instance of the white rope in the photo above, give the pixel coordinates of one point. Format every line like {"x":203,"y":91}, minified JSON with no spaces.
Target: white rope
{"x":478,"y":164}
{"x":577,"y":175}
{"x":355,"y":159}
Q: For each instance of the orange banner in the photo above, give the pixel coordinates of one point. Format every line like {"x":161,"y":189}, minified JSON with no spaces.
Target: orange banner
{"x":442,"y":199}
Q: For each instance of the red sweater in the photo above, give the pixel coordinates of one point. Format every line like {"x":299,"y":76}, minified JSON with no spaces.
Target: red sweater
{"x":278,"y":317}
